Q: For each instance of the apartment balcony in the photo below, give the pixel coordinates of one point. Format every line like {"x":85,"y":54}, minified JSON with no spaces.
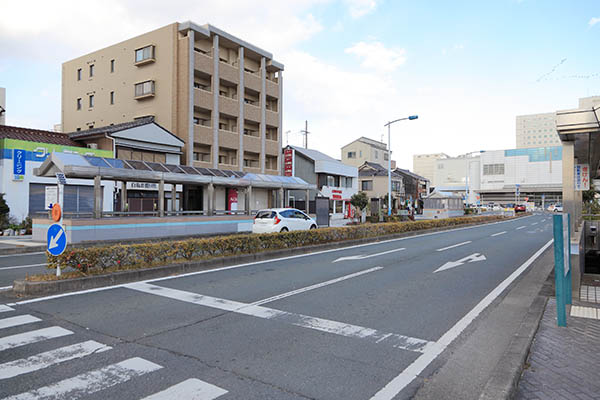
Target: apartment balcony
{"x":229,"y":106}
{"x":229,"y":72}
{"x":203,"y":99}
{"x":252,"y":112}
{"x":272,"y":118}
{"x":203,"y":134}
{"x":252,"y":81}
{"x":203,"y":62}
{"x":272,"y":88}
{"x":252,"y":144}
{"x":229,"y":139}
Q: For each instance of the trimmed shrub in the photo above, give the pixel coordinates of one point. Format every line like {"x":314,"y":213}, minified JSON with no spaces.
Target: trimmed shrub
{"x":162,"y":253}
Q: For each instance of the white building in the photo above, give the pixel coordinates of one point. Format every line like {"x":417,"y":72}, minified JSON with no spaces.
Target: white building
{"x":424,"y":164}
{"x":459,"y":175}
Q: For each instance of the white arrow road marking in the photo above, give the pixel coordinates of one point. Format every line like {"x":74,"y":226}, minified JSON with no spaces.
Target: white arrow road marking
{"x":451,"y":264}
{"x":454,"y":245}
{"x":499,"y":233}
{"x":54,"y":239}
{"x":363,"y":256}
{"x":521,"y":227}
{"x":193,"y":389}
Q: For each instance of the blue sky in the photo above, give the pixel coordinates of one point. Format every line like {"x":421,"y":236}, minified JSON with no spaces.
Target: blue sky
{"x":466,"y":67}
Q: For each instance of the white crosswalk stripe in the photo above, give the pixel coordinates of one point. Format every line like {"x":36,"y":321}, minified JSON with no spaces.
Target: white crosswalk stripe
{"x":18,"y":320}
{"x":191,"y":389}
{"x":4,"y":308}
{"x":90,"y":382}
{"x":30,"y":337}
{"x":49,"y":358}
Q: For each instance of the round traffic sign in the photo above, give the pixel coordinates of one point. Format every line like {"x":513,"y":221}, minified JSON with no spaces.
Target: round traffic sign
{"x":56,"y":239}
{"x":56,"y":212}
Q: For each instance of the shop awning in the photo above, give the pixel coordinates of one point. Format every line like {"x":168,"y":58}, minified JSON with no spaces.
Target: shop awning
{"x":88,"y":167}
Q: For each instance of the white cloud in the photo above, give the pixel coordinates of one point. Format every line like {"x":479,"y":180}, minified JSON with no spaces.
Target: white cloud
{"x":359,"y":8}
{"x":594,"y":21}
{"x":376,"y":56}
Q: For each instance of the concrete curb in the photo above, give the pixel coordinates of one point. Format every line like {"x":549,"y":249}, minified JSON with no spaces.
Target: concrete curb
{"x":32,"y":288}
{"x":505,"y":378}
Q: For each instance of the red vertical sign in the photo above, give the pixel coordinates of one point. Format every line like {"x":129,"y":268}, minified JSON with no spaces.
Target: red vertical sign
{"x":288,"y":162}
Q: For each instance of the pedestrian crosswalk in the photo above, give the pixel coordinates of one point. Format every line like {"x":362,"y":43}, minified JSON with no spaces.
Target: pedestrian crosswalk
{"x":84,"y":384}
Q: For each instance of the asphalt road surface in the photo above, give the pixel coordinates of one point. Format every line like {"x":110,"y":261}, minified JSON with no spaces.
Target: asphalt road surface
{"x":363,"y":322}
{"x":17,"y":266}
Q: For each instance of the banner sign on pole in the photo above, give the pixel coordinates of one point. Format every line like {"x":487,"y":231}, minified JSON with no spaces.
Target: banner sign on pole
{"x":582,"y":177}
{"x":562,"y":266}
{"x":18,"y":164}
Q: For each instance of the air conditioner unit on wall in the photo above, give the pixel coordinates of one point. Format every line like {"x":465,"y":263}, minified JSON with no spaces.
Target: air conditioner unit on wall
{"x":92,"y":146}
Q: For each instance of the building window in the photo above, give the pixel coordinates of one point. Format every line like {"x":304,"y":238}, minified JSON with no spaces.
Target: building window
{"x":144,"y":54}
{"x":79,"y":103}
{"x":91,"y":100}
{"x":367,"y":185}
{"x":351,"y":154}
{"x":493,"y":169}
{"x":385,"y":156}
{"x":360,"y":153}
{"x":376,"y":154}
{"x":79,"y":74}
{"x":144,"y":88}
{"x":112,"y":65}
{"x":91,"y":70}
{"x":112,"y":97}
{"x":348,"y":182}
{"x":330,"y":180}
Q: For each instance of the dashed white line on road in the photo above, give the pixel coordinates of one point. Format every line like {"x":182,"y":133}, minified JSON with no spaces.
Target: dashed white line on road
{"x":535,"y":223}
{"x":24,"y":266}
{"x":5,"y":288}
{"x":401,"y":381}
{"x":315,"y":286}
{"x":92,"y":381}
{"x":362,"y":257}
{"x":305,"y":321}
{"x":499,"y":233}
{"x":49,"y":358}
{"x":521,"y":227}
{"x":22,"y":339}
{"x":18,"y":320}
{"x":189,"y":389}
{"x":454,"y":245}
{"x":22,"y":254}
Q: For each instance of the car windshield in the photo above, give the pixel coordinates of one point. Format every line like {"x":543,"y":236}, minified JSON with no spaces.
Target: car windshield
{"x":265,"y":214}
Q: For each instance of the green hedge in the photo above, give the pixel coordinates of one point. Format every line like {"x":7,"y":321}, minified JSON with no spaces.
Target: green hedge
{"x":161,"y":253}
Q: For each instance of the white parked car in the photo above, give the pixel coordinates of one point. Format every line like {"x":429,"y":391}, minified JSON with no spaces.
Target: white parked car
{"x":282,"y":220}
{"x":558,"y":208}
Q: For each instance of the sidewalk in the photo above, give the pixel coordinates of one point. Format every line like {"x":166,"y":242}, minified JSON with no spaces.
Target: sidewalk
{"x":564,"y":363}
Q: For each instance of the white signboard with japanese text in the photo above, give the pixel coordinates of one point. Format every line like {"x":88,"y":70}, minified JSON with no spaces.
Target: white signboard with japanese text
{"x":51,"y":196}
{"x":582,"y":177}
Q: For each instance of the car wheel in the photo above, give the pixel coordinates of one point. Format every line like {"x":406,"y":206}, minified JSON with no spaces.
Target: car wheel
{"x":313,"y":227}
{"x":284,"y":229}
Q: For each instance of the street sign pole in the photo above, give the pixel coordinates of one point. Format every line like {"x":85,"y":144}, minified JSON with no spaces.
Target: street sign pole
{"x":61,"y":197}
{"x":562,"y":266}
{"x":57,"y":235}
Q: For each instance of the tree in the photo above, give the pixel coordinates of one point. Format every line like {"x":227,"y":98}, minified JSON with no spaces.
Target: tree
{"x":359,"y":200}
{"x":4,"y":211}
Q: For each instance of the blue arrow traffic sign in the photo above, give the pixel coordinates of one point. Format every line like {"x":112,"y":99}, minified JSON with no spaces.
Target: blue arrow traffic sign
{"x":56,"y":239}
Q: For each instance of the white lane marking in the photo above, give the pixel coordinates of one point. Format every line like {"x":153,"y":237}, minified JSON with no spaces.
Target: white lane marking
{"x":305,"y":321}
{"x":521,"y":227}
{"x":23,"y":339}
{"x":18,"y":320}
{"x":190,"y":389}
{"x":396,"y":385}
{"x":315,"y":286}
{"x":5,"y":288}
{"x":498,"y":234}
{"x":101,"y":289}
{"x":22,"y":254}
{"x":454,"y":245}
{"x":451,"y":264}
{"x":49,"y":358}
{"x":22,"y":243}
{"x":4,"y":308}
{"x":23,"y":266}
{"x":535,"y":223}
{"x":91,"y":382}
{"x":362,"y":257}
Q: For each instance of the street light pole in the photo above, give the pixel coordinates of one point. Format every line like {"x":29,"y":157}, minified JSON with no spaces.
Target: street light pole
{"x":389,"y":124}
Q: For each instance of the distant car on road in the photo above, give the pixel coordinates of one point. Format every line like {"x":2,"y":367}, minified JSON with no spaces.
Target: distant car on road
{"x":282,"y":220}
{"x":558,"y":208}
{"x":520,"y":208}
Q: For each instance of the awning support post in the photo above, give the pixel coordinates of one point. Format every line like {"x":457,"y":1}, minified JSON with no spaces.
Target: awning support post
{"x":211,"y":198}
{"x":97,"y":198}
{"x":248,"y":200}
{"x":161,"y":198}
{"x":174,"y":197}
{"x":124,"y":196}
{"x":307,"y":201}
{"x":281,"y":194}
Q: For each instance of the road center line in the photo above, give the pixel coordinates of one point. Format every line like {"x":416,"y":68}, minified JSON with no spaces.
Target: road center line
{"x":521,"y":227}
{"x":396,"y":385}
{"x":22,"y":254}
{"x":535,"y":223}
{"x":24,"y":266}
{"x":315,"y":286}
{"x":499,"y":233}
{"x":319,"y":324}
{"x":454,"y":245}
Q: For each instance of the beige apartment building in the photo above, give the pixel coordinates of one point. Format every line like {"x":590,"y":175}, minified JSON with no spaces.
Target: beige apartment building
{"x":424,"y":165}
{"x":364,"y":150}
{"x":216,"y":92}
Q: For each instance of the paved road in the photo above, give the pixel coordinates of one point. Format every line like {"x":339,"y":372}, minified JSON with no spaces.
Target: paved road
{"x":16,"y":266}
{"x":365,"y":322}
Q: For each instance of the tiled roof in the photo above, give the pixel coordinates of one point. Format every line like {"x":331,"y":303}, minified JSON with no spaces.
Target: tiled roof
{"x":111,"y":128}
{"x":409,"y":173}
{"x":36,"y":135}
{"x":374,"y":169}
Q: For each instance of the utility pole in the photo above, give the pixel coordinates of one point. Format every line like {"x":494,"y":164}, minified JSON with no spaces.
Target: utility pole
{"x":305,"y":133}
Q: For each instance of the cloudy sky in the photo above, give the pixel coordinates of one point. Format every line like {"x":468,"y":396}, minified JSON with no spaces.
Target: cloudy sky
{"x":467,"y":68}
